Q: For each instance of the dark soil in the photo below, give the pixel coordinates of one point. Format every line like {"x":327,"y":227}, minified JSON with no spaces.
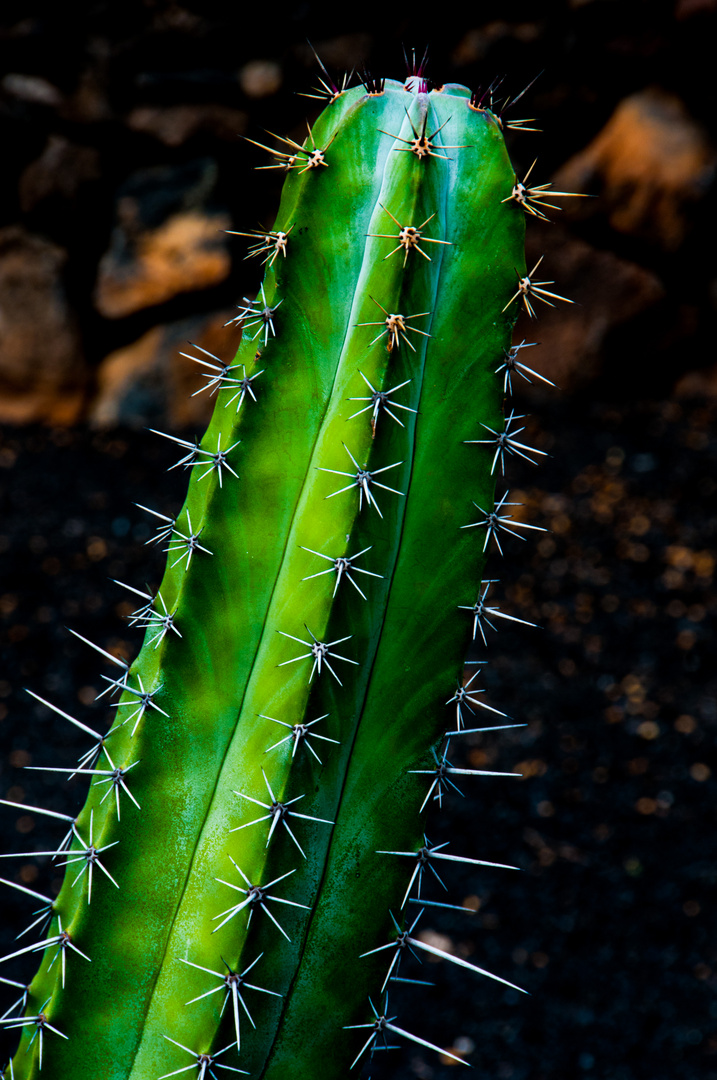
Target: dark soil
{"x":611,"y":924}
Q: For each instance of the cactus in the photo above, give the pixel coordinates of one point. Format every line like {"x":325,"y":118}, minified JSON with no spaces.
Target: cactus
{"x":242,"y":881}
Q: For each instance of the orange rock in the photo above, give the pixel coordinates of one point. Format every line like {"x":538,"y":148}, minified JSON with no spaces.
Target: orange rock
{"x":650,"y":161}
{"x":605,"y":291}
{"x":150,"y":382}
{"x":184,"y":253}
{"x":42,"y":369}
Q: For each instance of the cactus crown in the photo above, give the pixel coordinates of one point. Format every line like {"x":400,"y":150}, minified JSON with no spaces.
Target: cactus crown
{"x":251,"y":861}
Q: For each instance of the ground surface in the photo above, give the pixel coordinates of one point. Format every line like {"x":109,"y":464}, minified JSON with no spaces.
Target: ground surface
{"x":611,"y":927}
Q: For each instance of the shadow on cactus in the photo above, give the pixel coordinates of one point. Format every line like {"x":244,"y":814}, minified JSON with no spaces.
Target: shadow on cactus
{"x":247,"y":875}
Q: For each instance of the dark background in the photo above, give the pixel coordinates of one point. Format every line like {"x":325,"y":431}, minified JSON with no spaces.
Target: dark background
{"x":610,"y":924}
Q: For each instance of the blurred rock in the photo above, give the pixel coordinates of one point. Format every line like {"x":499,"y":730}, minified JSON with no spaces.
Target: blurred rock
{"x":347,"y":52}
{"x":173,"y":16}
{"x":260,"y":78}
{"x":149,"y":382}
{"x":32,"y":88}
{"x":698,"y":384}
{"x":177,"y":123}
{"x":475,"y":45}
{"x":685,"y":9}
{"x":88,"y":104}
{"x":647,"y":165}
{"x":169,"y":239}
{"x":62,"y":168}
{"x":42,"y":372}
{"x":605,"y":291}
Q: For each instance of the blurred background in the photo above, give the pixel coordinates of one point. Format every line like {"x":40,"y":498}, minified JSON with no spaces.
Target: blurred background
{"x":123,"y":167}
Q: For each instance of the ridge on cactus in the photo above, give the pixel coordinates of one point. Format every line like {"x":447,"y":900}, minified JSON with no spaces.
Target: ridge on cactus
{"x":249,"y":869}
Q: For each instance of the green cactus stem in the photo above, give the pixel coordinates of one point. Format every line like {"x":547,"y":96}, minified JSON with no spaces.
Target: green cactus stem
{"x":253,"y":836}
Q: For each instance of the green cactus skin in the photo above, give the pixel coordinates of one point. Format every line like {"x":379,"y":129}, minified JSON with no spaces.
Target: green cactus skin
{"x":254,"y":586}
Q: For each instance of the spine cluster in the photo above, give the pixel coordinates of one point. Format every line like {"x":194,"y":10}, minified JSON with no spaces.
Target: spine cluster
{"x":250,"y":867}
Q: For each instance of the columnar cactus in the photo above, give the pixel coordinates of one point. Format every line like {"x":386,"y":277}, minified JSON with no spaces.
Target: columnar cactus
{"x":244,"y":875}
